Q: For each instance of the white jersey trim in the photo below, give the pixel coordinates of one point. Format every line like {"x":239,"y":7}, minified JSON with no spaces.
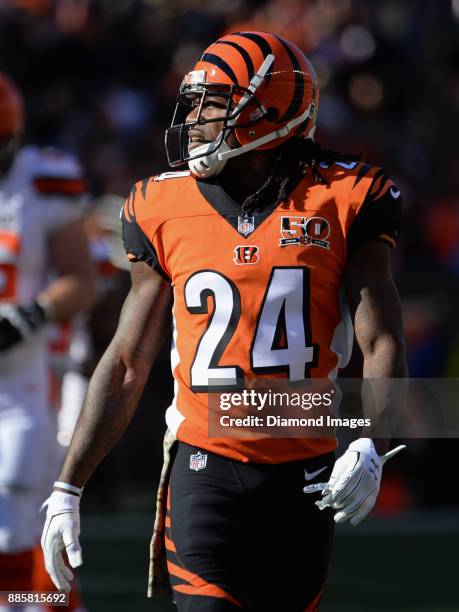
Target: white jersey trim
{"x":171,"y":175}
{"x":174,"y":418}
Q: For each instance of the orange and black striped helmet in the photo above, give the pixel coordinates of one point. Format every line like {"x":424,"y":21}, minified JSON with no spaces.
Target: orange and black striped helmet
{"x":271,"y":88}
{"x":11,"y":108}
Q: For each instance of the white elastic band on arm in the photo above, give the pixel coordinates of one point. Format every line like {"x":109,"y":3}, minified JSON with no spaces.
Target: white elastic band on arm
{"x":68,"y":487}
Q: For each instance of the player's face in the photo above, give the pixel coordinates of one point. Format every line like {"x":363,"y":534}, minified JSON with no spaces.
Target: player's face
{"x":213,"y":107}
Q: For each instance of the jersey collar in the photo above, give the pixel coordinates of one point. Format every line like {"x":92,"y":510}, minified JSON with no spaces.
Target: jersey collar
{"x":229,"y":209}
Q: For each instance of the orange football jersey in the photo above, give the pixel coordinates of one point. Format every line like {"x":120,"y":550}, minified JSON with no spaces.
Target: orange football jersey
{"x":240,"y":284}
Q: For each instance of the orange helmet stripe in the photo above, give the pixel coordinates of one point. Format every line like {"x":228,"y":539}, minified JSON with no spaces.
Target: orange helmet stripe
{"x":259,"y":40}
{"x":210,"y":58}
{"x":262,"y":44}
{"x":244,"y":54}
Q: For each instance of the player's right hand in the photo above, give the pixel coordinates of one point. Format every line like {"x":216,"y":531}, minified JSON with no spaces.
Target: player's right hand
{"x":61,"y":531}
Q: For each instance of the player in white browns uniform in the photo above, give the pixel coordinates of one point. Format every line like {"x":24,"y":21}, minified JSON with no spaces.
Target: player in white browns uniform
{"x":40,"y":230}
{"x":78,"y":350}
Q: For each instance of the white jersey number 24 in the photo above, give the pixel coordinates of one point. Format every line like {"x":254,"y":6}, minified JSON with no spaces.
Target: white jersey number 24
{"x":282,"y":339}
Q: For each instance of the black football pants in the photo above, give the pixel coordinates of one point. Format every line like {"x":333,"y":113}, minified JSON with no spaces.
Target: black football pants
{"x":245,"y":536}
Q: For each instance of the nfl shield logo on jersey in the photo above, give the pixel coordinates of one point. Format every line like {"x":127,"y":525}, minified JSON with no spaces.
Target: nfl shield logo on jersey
{"x":198,"y":461}
{"x":245,"y":225}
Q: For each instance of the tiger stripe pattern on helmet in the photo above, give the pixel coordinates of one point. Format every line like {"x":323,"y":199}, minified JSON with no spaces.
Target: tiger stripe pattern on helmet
{"x":220,"y":63}
{"x":262,"y":43}
{"x":288,"y":89}
{"x":299,"y":85}
{"x":271,"y":95}
{"x":245,"y":56}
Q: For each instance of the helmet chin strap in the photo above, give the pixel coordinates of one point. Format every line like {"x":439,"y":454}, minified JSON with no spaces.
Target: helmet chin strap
{"x":206,"y":166}
{"x":224,"y":155}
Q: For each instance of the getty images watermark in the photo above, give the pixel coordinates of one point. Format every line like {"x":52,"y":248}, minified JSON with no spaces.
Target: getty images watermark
{"x":275,"y":407}
{"x":277,"y":403}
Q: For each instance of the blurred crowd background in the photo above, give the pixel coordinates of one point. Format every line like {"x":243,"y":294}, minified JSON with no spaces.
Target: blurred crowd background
{"x":100,"y":78}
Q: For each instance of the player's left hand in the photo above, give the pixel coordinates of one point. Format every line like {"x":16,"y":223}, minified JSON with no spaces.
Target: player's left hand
{"x":17,"y":323}
{"x":355,"y":480}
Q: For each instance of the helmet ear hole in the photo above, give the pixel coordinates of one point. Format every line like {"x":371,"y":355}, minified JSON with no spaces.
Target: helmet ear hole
{"x":272,"y":114}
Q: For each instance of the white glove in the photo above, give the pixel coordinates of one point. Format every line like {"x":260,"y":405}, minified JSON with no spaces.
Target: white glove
{"x":354,"y":482}
{"x":61,"y":530}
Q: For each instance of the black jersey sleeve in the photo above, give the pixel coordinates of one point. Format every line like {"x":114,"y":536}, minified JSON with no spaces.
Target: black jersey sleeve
{"x":379,"y":217}
{"x":136,"y":244}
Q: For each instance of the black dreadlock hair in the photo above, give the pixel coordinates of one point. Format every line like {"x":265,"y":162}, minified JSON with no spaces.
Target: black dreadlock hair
{"x":296,"y":157}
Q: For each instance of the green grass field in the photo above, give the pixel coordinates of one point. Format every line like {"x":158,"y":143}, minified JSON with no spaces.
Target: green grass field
{"x":400,"y":565}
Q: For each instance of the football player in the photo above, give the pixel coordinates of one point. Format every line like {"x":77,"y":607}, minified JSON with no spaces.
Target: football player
{"x":76,"y":347}
{"x":255,"y":248}
{"x":75,"y":350}
{"x":41,"y":234}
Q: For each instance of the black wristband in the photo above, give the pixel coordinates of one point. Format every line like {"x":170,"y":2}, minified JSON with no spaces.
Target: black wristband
{"x":35,"y":314}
